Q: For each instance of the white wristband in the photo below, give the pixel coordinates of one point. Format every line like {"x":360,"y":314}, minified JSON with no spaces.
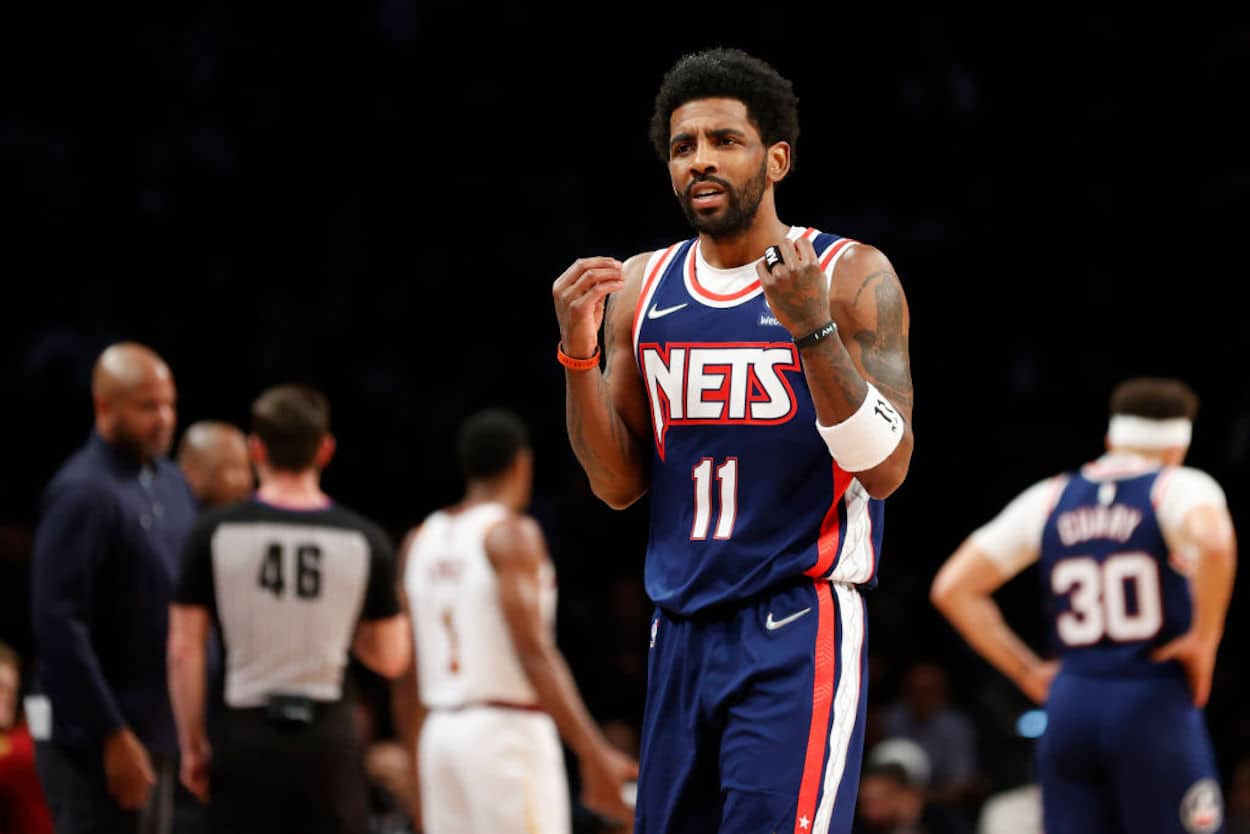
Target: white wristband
{"x":867,"y":437}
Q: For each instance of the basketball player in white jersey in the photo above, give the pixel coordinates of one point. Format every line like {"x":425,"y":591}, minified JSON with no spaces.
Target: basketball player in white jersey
{"x":494,"y":690}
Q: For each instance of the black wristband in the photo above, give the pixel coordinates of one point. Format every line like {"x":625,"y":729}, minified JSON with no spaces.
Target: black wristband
{"x":817,"y":334}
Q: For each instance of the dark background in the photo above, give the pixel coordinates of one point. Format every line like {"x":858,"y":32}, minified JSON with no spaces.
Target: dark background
{"x":374,"y":198}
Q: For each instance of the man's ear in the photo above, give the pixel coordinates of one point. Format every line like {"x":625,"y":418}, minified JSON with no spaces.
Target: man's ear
{"x":256,"y":450}
{"x":325,"y":452}
{"x":778,"y":161}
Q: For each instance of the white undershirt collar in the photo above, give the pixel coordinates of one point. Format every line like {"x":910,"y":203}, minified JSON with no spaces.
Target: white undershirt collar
{"x":729,"y":281}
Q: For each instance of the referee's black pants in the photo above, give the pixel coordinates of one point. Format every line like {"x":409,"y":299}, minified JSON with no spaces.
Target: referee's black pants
{"x":270,"y":776}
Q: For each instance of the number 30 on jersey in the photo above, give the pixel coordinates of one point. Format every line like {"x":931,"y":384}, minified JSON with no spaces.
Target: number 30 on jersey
{"x":1100,"y":598}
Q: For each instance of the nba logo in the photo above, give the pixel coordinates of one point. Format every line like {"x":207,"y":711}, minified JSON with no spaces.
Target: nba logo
{"x":1202,"y":809}
{"x":655,"y":626}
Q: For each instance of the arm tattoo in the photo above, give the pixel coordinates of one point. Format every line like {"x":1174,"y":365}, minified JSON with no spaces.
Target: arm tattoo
{"x":845,"y":381}
{"x":883,"y":351}
{"x":865,"y":284}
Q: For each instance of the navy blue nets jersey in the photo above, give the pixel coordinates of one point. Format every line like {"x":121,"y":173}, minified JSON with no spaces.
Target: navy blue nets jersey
{"x":744,"y":494}
{"x":1110,"y":591}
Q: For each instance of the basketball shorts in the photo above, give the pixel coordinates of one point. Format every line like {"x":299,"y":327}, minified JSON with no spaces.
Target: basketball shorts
{"x":496,"y":769}
{"x":754,"y":719}
{"x":1127,"y":756}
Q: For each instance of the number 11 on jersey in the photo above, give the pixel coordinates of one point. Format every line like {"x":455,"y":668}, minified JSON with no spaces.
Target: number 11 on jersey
{"x":727,"y":477}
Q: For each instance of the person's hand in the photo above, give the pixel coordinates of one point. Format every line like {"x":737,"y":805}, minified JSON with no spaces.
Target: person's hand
{"x":604,"y":774}
{"x":194,"y":769}
{"x":389,"y":766}
{"x":1037,"y":680}
{"x":128,"y":770}
{"x":579,"y":294}
{"x":797,"y":289}
{"x":1197,"y":657}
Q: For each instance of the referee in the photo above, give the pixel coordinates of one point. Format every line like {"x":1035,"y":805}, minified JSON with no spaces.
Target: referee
{"x":293,"y":581}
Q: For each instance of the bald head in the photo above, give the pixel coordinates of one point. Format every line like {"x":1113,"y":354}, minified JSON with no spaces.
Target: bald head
{"x":134,"y":397}
{"x":213,"y":456}
{"x":123,"y":367}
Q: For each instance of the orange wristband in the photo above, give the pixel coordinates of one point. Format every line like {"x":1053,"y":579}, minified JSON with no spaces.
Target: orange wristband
{"x":577,"y":364}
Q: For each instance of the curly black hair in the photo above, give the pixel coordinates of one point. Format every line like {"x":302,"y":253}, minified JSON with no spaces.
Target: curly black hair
{"x":771,"y":103}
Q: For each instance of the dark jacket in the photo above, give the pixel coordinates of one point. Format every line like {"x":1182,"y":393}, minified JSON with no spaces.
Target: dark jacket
{"x":104,"y":566}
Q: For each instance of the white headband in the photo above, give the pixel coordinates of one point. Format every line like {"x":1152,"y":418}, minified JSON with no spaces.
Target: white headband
{"x":1144,"y":433}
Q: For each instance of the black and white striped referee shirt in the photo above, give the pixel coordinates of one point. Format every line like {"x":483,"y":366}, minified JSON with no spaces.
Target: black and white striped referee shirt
{"x":288,"y":588}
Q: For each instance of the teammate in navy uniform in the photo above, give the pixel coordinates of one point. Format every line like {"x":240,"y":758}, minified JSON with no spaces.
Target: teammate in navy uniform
{"x":768,"y":413}
{"x":1137,"y":556}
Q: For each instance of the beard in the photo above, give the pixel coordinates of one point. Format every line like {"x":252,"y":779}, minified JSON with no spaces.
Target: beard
{"x":740,"y":206}
{"x":143,"y":448}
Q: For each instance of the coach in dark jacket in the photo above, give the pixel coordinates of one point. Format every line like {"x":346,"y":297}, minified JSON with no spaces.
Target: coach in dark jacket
{"x":113,"y":520}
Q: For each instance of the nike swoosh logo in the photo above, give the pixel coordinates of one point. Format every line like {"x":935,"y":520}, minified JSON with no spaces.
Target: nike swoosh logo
{"x":773,"y":625}
{"x":657,"y":313}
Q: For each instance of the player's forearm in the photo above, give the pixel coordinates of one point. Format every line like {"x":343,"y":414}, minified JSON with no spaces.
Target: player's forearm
{"x":558,"y":695}
{"x":980,"y":621}
{"x":407,"y":713}
{"x":187,"y":664}
{"x":1212,"y":588}
{"x":608,"y":452}
{"x":838,"y":388}
{"x":838,"y":391}
{"x":384,"y":646}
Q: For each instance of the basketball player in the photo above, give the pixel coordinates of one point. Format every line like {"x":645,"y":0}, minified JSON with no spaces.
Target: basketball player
{"x":1137,"y":560}
{"x":294,"y":581}
{"x":767,"y":409}
{"x":495,"y":688}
